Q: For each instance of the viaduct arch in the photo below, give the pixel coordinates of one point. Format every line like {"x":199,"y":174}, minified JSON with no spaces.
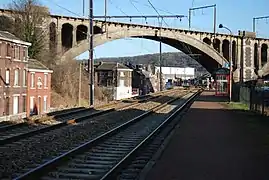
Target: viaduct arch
{"x":209,"y":57}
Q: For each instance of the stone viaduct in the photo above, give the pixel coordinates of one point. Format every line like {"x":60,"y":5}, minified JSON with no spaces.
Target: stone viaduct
{"x":69,"y":37}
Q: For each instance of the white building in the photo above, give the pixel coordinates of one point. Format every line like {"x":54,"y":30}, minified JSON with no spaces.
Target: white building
{"x":116,"y":78}
{"x":176,"y":72}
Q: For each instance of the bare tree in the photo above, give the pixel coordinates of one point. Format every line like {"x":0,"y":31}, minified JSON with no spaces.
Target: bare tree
{"x":29,"y":18}
{"x":6,"y":24}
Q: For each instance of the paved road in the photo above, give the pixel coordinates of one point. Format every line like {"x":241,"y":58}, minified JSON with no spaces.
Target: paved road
{"x":214,"y":143}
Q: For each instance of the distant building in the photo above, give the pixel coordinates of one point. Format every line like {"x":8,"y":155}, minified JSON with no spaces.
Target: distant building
{"x":116,"y":78}
{"x":173,"y":73}
{"x":13,"y":76}
{"x":39,"y":88}
{"x":144,"y":81}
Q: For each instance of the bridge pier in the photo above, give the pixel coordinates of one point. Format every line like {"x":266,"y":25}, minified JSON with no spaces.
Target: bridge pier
{"x":267,"y":55}
{"x":248,"y":59}
{"x":74,"y":43}
{"x":220,"y":48}
{"x":59,"y":41}
{"x":259,"y":55}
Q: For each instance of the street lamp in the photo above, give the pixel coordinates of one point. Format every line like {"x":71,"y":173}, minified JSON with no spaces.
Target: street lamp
{"x":231,"y":62}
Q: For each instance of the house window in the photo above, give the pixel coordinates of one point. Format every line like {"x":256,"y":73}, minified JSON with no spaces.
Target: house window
{"x":109,"y":74}
{"x":32,"y":80}
{"x":39,"y":82}
{"x":45,"y":80}
{"x":15,"y":105}
{"x":8,"y":50}
{"x":121,"y":74}
{"x":32,"y":103}
{"x":109,"y":82}
{"x":23,"y":103}
{"x":7,"y":76}
{"x":25,"y":54}
{"x":24,"y":77}
{"x":121,"y":83}
{"x":102,"y":74}
{"x":45,"y":104}
{"x":17,"y":52}
{"x":16,"y":77}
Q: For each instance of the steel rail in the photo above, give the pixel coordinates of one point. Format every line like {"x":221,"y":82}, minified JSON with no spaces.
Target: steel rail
{"x":66,"y":112}
{"x":113,"y":172}
{"x":11,"y":126}
{"x":66,"y":122}
{"x":50,"y":128}
{"x":50,"y":165}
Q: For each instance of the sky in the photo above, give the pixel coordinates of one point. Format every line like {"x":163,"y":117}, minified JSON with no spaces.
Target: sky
{"x":234,"y":14}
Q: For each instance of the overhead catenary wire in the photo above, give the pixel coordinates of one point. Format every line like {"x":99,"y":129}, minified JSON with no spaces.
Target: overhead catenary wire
{"x":118,"y":8}
{"x":56,"y":4}
{"x":142,"y":19}
{"x":136,"y":7}
{"x":87,"y":33}
{"x":146,"y":5}
{"x":185,"y":46}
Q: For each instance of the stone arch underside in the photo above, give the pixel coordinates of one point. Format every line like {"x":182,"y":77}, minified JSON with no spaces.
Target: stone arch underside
{"x":67,"y":36}
{"x":264,"y":71}
{"x":208,"y":56}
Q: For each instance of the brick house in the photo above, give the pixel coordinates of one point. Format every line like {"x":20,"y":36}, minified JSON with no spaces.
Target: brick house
{"x":116,"y":78}
{"x":39,"y":88}
{"x":13,"y":76}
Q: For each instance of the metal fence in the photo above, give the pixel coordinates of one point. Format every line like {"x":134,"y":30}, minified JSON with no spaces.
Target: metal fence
{"x":255,"y":97}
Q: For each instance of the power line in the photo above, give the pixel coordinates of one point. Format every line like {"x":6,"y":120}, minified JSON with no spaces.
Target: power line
{"x":141,"y":45}
{"x":127,"y":16}
{"x":154,"y":8}
{"x":160,"y":61}
{"x":135,"y":7}
{"x":162,"y":10}
{"x":185,"y":46}
{"x":118,"y":8}
{"x":64,"y":8}
{"x":142,"y":16}
{"x":87,"y":33}
{"x":123,"y":13}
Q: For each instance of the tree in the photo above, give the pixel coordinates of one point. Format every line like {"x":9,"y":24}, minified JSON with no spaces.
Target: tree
{"x":6,"y":24}
{"x":29,"y":18}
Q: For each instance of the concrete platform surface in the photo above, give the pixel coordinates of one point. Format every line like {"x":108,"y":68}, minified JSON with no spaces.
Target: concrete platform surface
{"x":215,"y":143}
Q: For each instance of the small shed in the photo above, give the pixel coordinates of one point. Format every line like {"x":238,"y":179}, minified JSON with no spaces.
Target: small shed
{"x":222,"y":81}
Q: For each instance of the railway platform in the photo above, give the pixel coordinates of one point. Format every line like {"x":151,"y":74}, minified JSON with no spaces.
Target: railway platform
{"x":213,"y":142}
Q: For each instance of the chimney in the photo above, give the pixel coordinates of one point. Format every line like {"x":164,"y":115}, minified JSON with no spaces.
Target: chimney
{"x":138,"y":67}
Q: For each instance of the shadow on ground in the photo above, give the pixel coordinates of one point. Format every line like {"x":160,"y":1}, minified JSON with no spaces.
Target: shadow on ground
{"x":215,"y":143}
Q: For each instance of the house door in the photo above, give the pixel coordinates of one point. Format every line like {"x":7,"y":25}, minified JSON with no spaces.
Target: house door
{"x":39,"y":105}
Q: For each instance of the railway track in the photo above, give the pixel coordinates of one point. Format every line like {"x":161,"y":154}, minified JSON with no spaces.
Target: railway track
{"x":11,"y":126}
{"x":31,"y":151}
{"x":12,"y":133}
{"x":106,"y":155}
{"x":5,"y":126}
